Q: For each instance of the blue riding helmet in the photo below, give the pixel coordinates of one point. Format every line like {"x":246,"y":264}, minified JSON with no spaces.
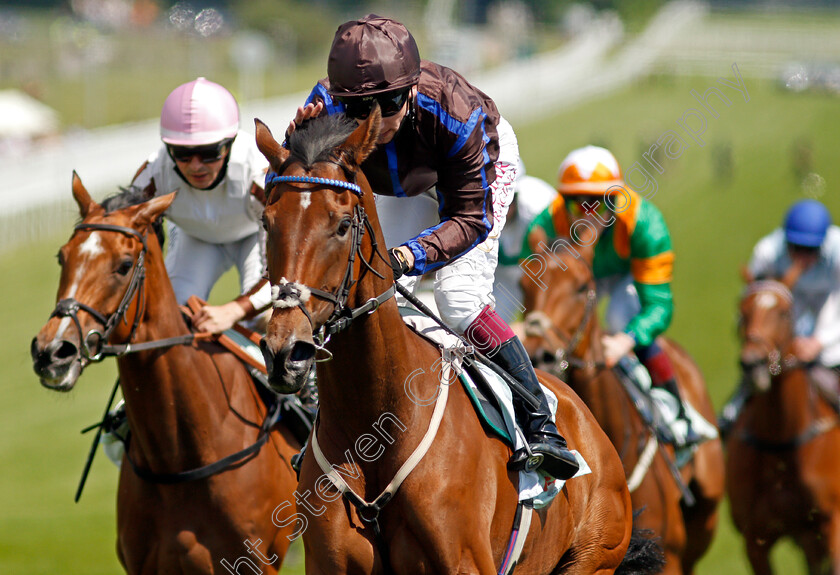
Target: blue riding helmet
{"x":806,"y":223}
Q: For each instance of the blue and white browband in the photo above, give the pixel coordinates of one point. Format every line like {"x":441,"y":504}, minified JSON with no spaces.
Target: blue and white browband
{"x":272,"y":178}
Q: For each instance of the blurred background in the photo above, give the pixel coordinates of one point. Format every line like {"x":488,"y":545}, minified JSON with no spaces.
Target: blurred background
{"x":82,"y":83}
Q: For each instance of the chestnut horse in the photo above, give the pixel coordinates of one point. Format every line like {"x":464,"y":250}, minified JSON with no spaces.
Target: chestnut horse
{"x":563,"y":336}
{"x":426,"y":490}
{"x":188,"y":406}
{"x":782,"y":452}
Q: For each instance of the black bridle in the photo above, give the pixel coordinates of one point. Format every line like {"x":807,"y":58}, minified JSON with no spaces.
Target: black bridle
{"x":69,"y":307}
{"x":777,"y":362}
{"x":293,"y":294}
{"x":774,"y":358}
{"x":538,"y":324}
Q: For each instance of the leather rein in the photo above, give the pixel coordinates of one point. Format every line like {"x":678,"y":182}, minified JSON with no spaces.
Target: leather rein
{"x":293,"y":294}
{"x":94,"y":347}
{"x":69,"y":307}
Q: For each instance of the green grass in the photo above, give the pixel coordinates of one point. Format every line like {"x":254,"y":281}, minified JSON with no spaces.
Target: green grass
{"x":714,"y":222}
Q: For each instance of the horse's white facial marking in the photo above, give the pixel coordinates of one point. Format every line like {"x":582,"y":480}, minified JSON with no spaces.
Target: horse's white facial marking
{"x":62,"y":327}
{"x":71,"y":293}
{"x":92,"y":246}
{"x":766,"y":301}
{"x":305,"y":199}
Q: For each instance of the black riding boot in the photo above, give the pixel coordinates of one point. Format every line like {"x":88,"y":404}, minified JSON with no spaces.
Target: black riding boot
{"x":540,"y":432}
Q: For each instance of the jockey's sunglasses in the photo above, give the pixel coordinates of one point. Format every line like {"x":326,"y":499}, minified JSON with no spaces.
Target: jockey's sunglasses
{"x":207,"y":154}
{"x":359,"y":107}
{"x":576,"y":208}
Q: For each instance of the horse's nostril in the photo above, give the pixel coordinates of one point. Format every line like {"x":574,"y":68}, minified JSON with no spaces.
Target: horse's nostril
{"x":302,"y":351}
{"x":547,"y":356}
{"x":65,"y":351}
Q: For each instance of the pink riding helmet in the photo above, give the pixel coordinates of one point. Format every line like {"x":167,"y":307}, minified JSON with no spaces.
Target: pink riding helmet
{"x":199,"y":113}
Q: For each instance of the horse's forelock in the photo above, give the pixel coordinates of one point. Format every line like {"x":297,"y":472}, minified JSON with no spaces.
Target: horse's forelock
{"x":317,"y":139}
{"x":132,"y":196}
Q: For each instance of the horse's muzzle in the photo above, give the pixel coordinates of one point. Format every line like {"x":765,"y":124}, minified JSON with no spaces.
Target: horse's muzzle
{"x":56,"y":363}
{"x":289,"y":367}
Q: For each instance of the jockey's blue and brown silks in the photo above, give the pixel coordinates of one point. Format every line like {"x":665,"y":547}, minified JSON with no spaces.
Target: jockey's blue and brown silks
{"x":449,"y":142}
{"x":638,"y":243}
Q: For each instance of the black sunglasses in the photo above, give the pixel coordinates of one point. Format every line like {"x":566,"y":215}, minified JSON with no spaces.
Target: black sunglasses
{"x":207,"y":154}
{"x":359,"y":107}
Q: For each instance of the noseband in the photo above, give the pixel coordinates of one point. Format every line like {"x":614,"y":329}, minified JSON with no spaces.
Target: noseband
{"x":287,"y":294}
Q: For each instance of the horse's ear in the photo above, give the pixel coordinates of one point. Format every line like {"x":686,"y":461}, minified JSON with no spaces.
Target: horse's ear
{"x":147,"y":212}
{"x":270,"y":148}
{"x":362,"y":141}
{"x":537,"y":237}
{"x":746,"y":275}
{"x":83,"y":199}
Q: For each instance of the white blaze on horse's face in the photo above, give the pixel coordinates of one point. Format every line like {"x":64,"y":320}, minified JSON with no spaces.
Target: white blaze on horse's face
{"x":766,"y":301}
{"x":305,"y":199}
{"x":92,"y":246}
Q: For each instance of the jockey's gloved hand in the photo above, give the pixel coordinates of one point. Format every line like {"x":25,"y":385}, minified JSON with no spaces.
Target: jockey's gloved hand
{"x":398,"y":263}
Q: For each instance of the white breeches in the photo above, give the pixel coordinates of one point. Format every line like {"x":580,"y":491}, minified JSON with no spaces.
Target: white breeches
{"x":464,"y":286}
{"x":624,"y":300}
{"x":195,"y":266}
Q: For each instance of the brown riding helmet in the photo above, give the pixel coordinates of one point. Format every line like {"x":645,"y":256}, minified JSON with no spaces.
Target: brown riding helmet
{"x":372,"y":55}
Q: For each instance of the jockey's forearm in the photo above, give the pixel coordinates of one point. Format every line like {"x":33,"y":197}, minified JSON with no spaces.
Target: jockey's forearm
{"x":255,"y":300}
{"x":655,"y":316}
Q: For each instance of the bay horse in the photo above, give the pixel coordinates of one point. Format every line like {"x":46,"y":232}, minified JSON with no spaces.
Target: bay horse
{"x":188,"y":404}
{"x":782,"y":452}
{"x":425,"y":488}
{"x":563,"y":336}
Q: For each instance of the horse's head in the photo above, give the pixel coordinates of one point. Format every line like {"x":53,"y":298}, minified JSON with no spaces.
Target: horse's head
{"x":101,"y":274}
{"x":321,"y":225}
{"x":765,"y":327}
{"x":559,"y":297}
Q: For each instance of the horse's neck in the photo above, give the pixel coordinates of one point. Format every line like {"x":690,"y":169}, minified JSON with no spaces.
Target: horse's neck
{"x":163,"y":387}
{"x":599,"y":387}
{"x":787,"y":408}
{"x":368,"y":374}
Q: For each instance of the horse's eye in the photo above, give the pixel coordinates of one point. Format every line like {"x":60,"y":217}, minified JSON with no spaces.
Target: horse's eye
{"x":343,"y":226}
{"x":125,"y":267}
{"x":60,"y":257}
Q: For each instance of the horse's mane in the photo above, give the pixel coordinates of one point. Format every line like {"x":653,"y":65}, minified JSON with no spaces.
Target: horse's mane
{"x":315,"y":140}
{"x":132,"y":196}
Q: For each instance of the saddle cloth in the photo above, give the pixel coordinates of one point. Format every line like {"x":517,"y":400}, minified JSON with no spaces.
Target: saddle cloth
{"x":665,"y":409}
{"x":495,"y":412}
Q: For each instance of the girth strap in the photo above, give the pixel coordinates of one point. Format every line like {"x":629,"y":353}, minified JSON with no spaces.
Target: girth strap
{"x":518,"y":535}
